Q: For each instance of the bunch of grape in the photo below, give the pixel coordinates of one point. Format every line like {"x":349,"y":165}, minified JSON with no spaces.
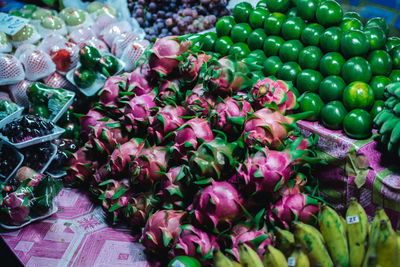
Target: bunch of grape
{"x":160,"y":18}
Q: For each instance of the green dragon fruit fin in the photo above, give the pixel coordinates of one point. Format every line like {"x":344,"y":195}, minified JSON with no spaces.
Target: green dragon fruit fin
{"x":301,"y":116}
{"x":257,"y":219}
{"x":106,"y":182}
{"x":256,"y":242}
{"x":237,"y":120}
{"x":166,"y":236}
{"x":119,"y":193}
{"x":114,"y":207}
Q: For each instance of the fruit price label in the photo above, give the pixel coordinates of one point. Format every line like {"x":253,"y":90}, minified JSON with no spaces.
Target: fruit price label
{"x":11,"y":24}
{"x":352,"y":219}
{"x":291,"y":261}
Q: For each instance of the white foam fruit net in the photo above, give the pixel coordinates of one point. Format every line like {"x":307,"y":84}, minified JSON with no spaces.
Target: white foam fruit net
{"x":81,"y":35}
{"x":132,"y":54}
{"x":100,"y":45}
{"x":51,"y":42}
{"x":102,"y":22}
{"x":37,"y":64}
{"x":65,"y":56}
{"x":4,"y":96}
{"x":19,"y":93}
{"x":23,"y":48}
{"x":121,"y":42}
{"x":11,"y":70}
{"x":111,"y":32}
{"x":56,"y":80}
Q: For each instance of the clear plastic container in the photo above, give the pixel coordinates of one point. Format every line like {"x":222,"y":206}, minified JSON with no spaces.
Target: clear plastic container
{"x":20,"y":160}
{"x":11,"y":117}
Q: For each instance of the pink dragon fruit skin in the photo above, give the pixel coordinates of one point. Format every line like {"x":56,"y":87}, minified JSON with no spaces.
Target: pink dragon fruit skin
{"x":168,"y":119}
{"x":294,"y":207}
{"x":277,"y":91}
{"x":199,"y":103}
{"x":190,"y":68}
{"x":138,"y":110}
{"x":124,"y":154}
{"x":170,"y":91}
{"x":138,"y":81}
{"x":91,"y":119}
{"x":138,"y":210}
{"x":162,"y":230}
{"x":17,"y":211}
{"x":80,"y":167}
{"x":266,"y":170}
{"x":104,"y":139}
{"x":217,"y":205}
{"x":243,"y":234}
{"x":266,"y":127}
{"x":164,"y":54}
{"x":194,"y":243}
{"x":111,"y":89}
{"x":170,"y":191}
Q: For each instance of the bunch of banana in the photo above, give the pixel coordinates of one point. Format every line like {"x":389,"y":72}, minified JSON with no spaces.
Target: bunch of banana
{"x":388,"y":120}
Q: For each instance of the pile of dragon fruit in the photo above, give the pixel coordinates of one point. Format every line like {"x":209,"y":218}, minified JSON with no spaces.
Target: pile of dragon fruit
{"x":194,"y":153}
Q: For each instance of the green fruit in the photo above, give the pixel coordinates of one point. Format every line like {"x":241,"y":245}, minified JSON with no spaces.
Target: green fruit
{"x":257,"y":56}
{"x":391,"y":43}
{"x":272,"y":65}
{"x":395,"y":53}
{"x":306,"y":9}
{"x":291,"y":13}
{"x":224,"y":25}
{"x":351,"y":24}
{"x":290,"y":50}
{"x":208,"y":41}
{"x":108,"y":65}
{"x":332,"y":115}
{"x":329,"y":13}
{"x":256,"y":39}
{"x":311,"y":34}
{"x":381,"y":62}
{"x":41,"y":110}
{"x":308,"y":80}
{"x":378,"y":84}
{"x":395,"y":76}
{"x":84,"y":78}
{"x":379,"y":22}
{"x":292,"y":28}
{"x":376,"y":108}
{"x":357,"y":124}
{"x":278,"y":5}
{"x":358,"y":95}
{"x":289,"y":71}
{"x":273,"y":23}
{"x":331,"y":64}
{"x":240,"y":32}
{"x":241,"y":12}
{"x":184,"y":261}
{"x":239,"y":50}
{"x":331,"y":88}
{"x":257,"y":17}
{"x":356,"y":69}
{"x":89,"y":56}
{"x":310,"y":57}
{"x":354,"y":43}
{"x":351,"y":15}
{"x":222,"y":45}
{"x":272,"y":45}
{"x":331,"y":39}
{"x":262,"y":4}
{"x":376,"y":37}
{"x":311,"y":102}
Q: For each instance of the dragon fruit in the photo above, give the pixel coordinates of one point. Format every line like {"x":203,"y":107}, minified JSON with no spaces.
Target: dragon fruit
{"x":187,"y":136}
{"x":217,"y":205}
{"x":162,"y":230}
{"x":269,"y":91}
{"x":114,"y":197}
{"x":216,"y":158}
{"x":111,"y":89}
{"x":267,"y":127}
{"x":15,"y":209}
{"x":138,"y":209}
{"x":190,"y":67}
{"x":229,"y":114}
{"x":266,"y":170}
{"x":149,"y":166}
{"x":225,"y":77}
{"x":198,"y":102}
{"x":138,"y":111}
{"x":170,"y":91}
{"x":103,"y":140}
{"x":80,"y":167}
{"x":194,"y":243}
{"x":257,"y":239}
{"x":123,"y":155}
{"x":293,"y":186}
{"x":165,"y":54}
{"x":138,"y":81}
{"x":92,"y":118}
{"x":294,"y":207}
{"x":167,"y":119}
{"x":175,"y":183}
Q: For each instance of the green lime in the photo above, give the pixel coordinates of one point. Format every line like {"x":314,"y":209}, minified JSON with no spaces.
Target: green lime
{"x":278,"y":5}
{"x":380,"y":62}
{"x":262,"y":4}
{"x":311,"y":34}
{"x":331,"y":64}
{"x":257,"y":17}
{"x":329,"y":13}
{"x":332,"y":115}
{"x":310,"y":101}
{"x":256,"y":39}
{"x":292,"y":28}
{"x":395,"y":53}
{"x":184,"y":261}
{"x":272,"y":45}
{"x":239,"y":50}
{"x":378,"y":84}
{"x":310,"y":57}
{"x":208,"y":41}
{"x":356,"y":69}
{"x":358,"y":124}
{"x":308,"y":80}
{"x":224,"y":25}
{"x":391,"y":43}
{"x":351,"y":15}
{"x":290,"y":50}
{"x":240,"y":32}
{"x":289,"y":71}
{"x":330,"y":40}
{"x":354,"y":43}
{"x":222,"y":45}
{"x":306,"y":9}
{"x":241,"y":12}
{"x":272,"y":65}
{"x":380,"y":22}
{"x":395,"y":76}
{"x":376,"y":108}
{"x":358,"y":95}
{"x":257,"y":56}
{"x":331,"y":88}
{"x":376,"y":37}
{"x":351,"y":24}
{"x":292,"y":13}
{"x":273,"y":23}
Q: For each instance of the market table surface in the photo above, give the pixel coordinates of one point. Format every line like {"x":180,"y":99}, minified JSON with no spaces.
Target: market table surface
{"x":77,"y":235}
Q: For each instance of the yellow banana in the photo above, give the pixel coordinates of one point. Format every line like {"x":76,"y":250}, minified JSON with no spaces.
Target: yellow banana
{"x":273,"y":257}
{"x":236,"y":264}
{"x":284,"y":241}
{"x":357,"y":232}
{"x":298,"y":258}
{"x":248,"y":257}
{"x":372,"y":260}
{"x":312,"y":243}
{"x":398,"y":242}
{"x":344,"y":225}
{"x":386,"y":247}
{"x":220,"y":260}
{"x":333,"y":231}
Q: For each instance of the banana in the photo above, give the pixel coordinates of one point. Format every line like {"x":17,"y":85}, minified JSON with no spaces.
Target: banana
{"x":298,"y":258}
{"x":273,"y":257}
{"x":312,"y":243}
{"x":395,"y":135}
{"x":385,"y":138}
{"x":386,"y":246}
{"x":396,"y":109}
{"x":398,"y":242}
{"x":333,"y":231}
{"x":357,"y":232}
{"x":220,"y":260}
{"x":248,"y":257}
{"x":372,"y":260}
{"x":391,"y":146}
{"x":383,"y":118}
{"x":396,"y":92}
{"x":391,"y":102}
{"x":388,"y":126}
{"x":344,"y":226}
{"x":284,"y":241}
{"x":391,"y":88}
{"x":236,"y":264}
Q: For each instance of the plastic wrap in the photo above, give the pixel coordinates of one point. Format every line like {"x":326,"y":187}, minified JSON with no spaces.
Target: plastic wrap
{"x":5,"y":44}
{"x":114,"y":30}
{"x":27,"y":35}
{"x":51,"y":25}
{"x":37,"y":64}
{"x":11,"y":70}
{"x":81,"y":35}
{"x":132,"y":54}
{"x":51,"y":41}
{"x":121,"y":42}
{"x":18,"y":92}
{"x":65,"y":56}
